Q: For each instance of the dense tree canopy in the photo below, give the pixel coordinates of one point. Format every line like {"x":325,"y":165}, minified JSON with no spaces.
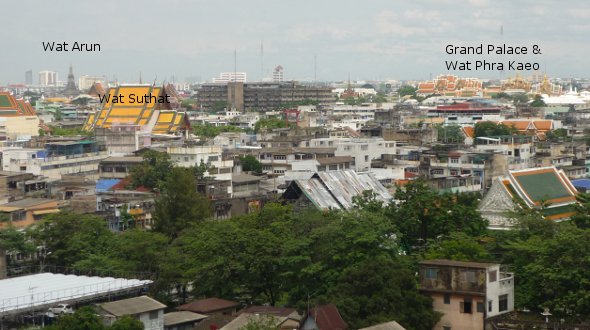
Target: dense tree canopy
{"x":152,"y":172}
{"x":179,"y":204}
{"x":450,"y":134}
{"x":489,"y":129}
{"x":211,"y":131}
{"x":250,"y":163}
{"x":363,"y":260}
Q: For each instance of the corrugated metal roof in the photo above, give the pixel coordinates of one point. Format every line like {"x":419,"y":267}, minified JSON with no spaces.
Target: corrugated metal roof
{"x":175,"y":318}
{"x":132,"y":306}
{"x":336,"y":190}
{"x":103,"y":185}
{"x":43,"y":290}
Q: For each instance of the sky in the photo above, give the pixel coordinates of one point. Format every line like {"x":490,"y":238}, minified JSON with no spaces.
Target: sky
{"x":366,"y":40}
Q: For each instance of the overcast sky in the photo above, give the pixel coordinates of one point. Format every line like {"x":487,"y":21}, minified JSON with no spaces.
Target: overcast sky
{"x":372,"y":39}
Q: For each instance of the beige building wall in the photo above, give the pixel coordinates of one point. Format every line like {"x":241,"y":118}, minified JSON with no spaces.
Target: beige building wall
{"x":453,"y":318}
{"x":19,"y":127}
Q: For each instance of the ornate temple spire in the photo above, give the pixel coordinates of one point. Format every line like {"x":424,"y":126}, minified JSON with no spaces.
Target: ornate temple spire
{"x":71,"y":90}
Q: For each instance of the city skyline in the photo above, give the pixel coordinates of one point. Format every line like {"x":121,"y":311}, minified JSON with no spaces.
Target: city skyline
{"x":330,"y":40}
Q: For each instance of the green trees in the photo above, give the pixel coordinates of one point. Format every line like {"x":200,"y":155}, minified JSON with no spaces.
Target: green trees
{"x":210,"y":131}
{"x":85,"y":318}
{"x":553,"y":271}
{"x":180,"y":204}
{"x":450,"y":134}
{"x":538,"y":102}
{"x":488,"y":129}
{"x":250,"y":163}
{"x":422,"y":214}
{"x":380,"y":290}
{"x":407,"y":90}
{"x":269,"y":123}
{"x":152,"y":172}
{"x":557,"y":135}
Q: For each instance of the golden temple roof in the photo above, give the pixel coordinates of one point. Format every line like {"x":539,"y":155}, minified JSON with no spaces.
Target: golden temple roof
{"x":136,"y":105}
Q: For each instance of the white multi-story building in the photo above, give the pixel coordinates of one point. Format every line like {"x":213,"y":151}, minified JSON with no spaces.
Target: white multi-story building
{"x":48,"y":78}
{"x":519,"y":150}
{"x":38,"y":162}
{"x":277,"y":74}
{"x":225,"y":77}
{"x":363,"y":151}
{"x":86,"y":81}
{"x":187,"y":156}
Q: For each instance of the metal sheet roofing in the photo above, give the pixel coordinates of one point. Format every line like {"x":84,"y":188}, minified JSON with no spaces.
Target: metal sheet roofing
{"x":581,"y":183}
{"x":132,"y":306}
{"x":336,"y":190}
{"x":39,"y":291}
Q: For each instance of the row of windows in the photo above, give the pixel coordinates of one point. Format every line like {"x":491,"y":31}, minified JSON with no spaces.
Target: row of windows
{"x":466,"y":306}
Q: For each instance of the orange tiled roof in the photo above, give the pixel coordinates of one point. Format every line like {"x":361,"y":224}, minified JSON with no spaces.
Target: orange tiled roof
{"x":469,"y":131}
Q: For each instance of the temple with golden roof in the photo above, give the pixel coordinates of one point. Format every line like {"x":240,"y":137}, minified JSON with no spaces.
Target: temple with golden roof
{"x":450,"y":85}
{"x":120,"y":107}
{"x":18,"y":119}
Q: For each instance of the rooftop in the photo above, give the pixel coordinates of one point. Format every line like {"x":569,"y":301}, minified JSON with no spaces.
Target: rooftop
{"x":132,"y":306}
{"x":35,"y":292}
{"x":209,"y":305}
{"x":181,"y":317}
{"x":455,"y":263}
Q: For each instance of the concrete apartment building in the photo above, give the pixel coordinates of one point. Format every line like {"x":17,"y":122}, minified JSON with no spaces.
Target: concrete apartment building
{"x":362,"y":151}
{"x":259,"y":96}
{"x":56,"y":159}
{"x":466,"y":293}
{"x":187,"y":156}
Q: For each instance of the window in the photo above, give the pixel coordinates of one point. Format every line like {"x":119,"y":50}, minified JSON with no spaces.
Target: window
{"x":465,"y":306}
{"x":431,"y":273}
{"x":447,"y":298}
{"x":469,"y":276}
{"x":503,"y":303}
{"x":493,"y":275}
{"x":280,"y":157}
{"x":454,"y":160}
{"x":365,"y":147}
{"x":366,"y":158}
{"x":490,"y":305}
{"x":153,"y":315}
{"x":186,"y":158}
{"x":480,"y":307}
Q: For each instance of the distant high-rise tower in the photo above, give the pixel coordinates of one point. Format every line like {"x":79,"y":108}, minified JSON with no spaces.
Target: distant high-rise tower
{"x":277,"y":74}
{"x":71,"y":89}
{"x":48,"y":78}
{"x":29,"y":77}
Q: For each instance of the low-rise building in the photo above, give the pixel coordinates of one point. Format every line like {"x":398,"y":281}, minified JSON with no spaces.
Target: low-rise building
{"x":148,"y":311}
{"x":28,"y":211}
{"x":56,"y":159}
{"x":466,"y":293}
{"x":182,"y":320}
{"x":117,"y":167}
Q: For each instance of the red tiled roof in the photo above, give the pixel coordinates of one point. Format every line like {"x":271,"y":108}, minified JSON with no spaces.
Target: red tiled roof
{"x":123,"y":184}
{"x":327,"y":317}
{"x":410,"y":175}
{"x":209,"y":305}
